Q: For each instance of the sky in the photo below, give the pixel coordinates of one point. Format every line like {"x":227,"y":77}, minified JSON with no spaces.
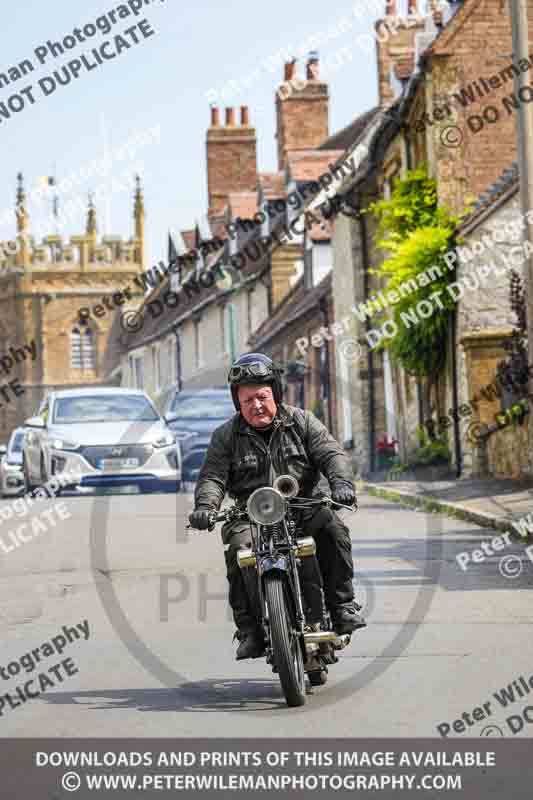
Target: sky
{"x":147,"y":110}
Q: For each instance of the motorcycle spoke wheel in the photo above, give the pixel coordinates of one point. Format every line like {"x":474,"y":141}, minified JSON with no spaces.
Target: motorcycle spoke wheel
{"x":285,"y":644}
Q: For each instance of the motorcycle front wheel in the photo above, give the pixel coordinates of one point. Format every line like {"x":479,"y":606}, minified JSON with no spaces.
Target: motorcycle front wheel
{"x":285,"y":644}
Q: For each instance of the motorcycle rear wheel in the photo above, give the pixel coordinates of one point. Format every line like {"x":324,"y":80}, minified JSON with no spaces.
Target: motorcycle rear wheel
{"x":285,"y":644}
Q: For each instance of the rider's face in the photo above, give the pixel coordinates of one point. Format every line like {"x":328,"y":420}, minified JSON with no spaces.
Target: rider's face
{"x":257,"y":405}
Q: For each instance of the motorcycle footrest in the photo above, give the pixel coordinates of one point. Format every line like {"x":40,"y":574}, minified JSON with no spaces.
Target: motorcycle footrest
{"x":343,"y":640}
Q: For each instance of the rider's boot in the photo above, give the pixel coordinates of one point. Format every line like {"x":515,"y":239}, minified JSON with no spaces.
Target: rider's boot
{"x":251,"y":644}
{"x":346,"y":618}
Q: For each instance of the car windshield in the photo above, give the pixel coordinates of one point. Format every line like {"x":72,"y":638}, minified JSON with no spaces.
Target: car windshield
{"x":202,"y":407}
{"x":16,"y":442}
{"x":103,"y":408}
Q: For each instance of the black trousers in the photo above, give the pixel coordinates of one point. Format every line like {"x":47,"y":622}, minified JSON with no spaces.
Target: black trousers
{"x":334,"y":555}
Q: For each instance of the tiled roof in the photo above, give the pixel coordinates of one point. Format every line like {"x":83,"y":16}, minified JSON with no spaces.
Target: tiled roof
{"x":507,"y":183}
{"x":308,"y":165}
{"x":189,"y":300}
{"x":298,"y":302}
{"x":344,"y":138}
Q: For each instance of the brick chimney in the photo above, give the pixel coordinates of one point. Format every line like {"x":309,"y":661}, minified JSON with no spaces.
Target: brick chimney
{"x":302,"y":110}
{"x":231,"y":158}
{"x":395,"y":44}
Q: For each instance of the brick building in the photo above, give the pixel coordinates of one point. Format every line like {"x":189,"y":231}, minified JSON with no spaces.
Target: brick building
{"x":436,"y":77}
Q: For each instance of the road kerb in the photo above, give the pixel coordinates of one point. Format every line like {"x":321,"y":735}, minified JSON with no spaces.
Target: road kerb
{"x":455,"y":510}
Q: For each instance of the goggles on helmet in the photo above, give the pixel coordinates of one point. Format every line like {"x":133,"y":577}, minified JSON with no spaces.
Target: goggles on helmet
{"x":254,"y":370}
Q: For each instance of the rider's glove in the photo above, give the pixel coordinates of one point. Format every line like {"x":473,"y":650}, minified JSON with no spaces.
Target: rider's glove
{"x":200,"y":519}
{"x":344,"y":493}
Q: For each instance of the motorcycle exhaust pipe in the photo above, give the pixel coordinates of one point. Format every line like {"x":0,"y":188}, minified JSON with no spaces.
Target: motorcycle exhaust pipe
{"x":317,"y":637}
{"x":246,"y":558}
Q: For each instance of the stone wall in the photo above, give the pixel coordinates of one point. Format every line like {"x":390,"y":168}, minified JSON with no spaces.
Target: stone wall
{"x":507,"y":452}
{"x":484,"y":319}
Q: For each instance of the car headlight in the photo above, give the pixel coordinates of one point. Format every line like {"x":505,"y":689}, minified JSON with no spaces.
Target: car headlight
{"x":63,"y":444}
{"x":165,"y":440}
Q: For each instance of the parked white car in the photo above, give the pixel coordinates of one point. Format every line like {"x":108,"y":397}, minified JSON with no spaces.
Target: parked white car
{"x":110,"y":436}
{"x":11,"y":475}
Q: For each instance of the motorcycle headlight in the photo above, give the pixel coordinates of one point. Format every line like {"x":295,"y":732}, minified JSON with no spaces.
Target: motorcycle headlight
{"x":165,"y":440}
{"x":63,"y":444}
{"x":266,"y":506}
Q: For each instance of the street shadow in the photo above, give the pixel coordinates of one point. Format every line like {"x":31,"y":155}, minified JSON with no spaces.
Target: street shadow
{"x":219,"y":694}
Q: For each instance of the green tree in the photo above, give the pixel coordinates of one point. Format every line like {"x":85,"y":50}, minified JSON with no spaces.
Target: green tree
{"x":416,"y":233}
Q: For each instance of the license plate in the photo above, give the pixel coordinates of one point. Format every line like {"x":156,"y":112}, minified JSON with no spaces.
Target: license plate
{"x":118,"y":463}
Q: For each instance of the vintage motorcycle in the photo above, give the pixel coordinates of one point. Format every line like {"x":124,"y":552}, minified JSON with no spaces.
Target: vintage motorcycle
{"x":275,"y":586}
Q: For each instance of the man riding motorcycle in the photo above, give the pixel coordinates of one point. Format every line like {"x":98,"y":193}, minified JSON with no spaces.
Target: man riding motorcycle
{"x":267,"y":438}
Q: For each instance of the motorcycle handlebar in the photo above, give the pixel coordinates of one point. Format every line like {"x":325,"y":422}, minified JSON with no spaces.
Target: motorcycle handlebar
{"x":233,"y":512}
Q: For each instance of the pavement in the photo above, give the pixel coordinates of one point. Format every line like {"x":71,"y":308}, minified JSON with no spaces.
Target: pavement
{"x":159,"y":659}
{"x":490,"y":503}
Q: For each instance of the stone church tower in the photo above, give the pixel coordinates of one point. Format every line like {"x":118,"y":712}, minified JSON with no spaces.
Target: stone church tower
{"x":42,"y":288}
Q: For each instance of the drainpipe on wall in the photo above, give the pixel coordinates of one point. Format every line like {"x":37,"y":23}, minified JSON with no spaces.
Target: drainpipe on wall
{"x":455,"y":398}
{"x":232,"y":336}
{"x":370,"y":354}
{"x":323,"y":305}
{"x":409,"y":165}
{"x":455,"y":384}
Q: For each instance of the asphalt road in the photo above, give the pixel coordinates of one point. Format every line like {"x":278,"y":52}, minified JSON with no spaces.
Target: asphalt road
{"x":159,"y":660}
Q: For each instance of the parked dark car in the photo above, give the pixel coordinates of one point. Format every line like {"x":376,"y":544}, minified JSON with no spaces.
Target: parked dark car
{"x":193,"y":416}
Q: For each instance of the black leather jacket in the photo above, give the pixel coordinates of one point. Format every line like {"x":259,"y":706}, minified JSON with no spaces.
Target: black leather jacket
{"x":239,"y":460}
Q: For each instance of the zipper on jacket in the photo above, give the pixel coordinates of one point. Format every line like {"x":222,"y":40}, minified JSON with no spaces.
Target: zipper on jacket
{"x":267,"y":449}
